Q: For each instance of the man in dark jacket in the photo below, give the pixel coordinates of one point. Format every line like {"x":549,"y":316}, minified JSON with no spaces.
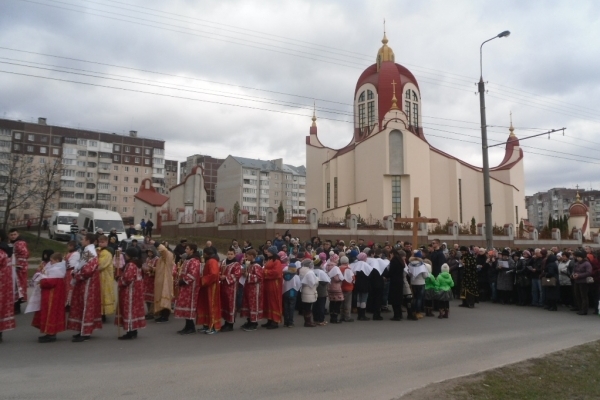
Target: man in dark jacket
{"x":437,"y":258}
{"x":179,"y":250}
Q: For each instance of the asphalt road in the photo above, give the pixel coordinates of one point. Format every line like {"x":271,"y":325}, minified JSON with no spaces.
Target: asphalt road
{"x":359,"y":360}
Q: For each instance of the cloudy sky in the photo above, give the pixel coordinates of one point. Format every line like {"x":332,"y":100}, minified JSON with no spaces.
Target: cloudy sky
{"x":239,"y":77}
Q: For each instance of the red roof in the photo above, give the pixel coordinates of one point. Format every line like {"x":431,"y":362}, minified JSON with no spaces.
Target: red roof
{"x":150,"y":196}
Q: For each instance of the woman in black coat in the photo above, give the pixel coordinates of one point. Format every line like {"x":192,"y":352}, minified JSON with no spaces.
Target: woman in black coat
{"x":395,"y":274}
{"x":552,"y":292}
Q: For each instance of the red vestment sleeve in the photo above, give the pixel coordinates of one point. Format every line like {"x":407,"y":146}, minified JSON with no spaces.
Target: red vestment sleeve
{"x":129,"y":275}
{"x":255,"y":274}
{"x":234,"y":275}
{"x":273,"y":270}
{"x":193,"y":268}
{"x":211,"y":272}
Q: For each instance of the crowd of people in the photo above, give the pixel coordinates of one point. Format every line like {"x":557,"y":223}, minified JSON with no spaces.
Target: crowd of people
{"x":76,"y":291}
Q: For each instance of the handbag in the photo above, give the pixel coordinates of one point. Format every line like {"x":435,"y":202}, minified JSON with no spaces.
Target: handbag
{"x":549,"y":281}
{"x":589,"y":279}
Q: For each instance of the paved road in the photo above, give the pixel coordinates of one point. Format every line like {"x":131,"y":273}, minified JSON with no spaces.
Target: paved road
{"x":359,"y":360}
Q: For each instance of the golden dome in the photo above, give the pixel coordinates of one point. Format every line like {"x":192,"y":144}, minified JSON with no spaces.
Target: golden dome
{"x":385,"y":52}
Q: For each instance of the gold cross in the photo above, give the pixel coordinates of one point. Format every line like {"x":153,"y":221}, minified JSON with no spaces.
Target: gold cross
{"x":394,"y":86}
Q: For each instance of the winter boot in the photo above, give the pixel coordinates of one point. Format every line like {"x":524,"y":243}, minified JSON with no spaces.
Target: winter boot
{"x":429,"y":312}
{"x":18,"y":307}
{"x":308,"y":323}
{"x":397,"y":314}
{"x":441,"y":313}
{"x":362,"y":315}
{"x":446,"y":311}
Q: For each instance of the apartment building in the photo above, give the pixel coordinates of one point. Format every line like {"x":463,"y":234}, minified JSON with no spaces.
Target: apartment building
{"x":100,"y":169}
{"x":211,"y":166}
{"x":257,"y":185}
{"x":556,"y":202}
{"x":170,"y":175}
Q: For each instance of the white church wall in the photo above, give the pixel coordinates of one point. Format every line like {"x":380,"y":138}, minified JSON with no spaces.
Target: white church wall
{"x":346,"y":179}
{"x":444,"y":188}
{"x":418,"y":165}
{"x":315,"y":157}
{"x":370,"y":166}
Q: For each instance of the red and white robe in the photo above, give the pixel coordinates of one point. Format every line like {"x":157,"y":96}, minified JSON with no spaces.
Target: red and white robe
{"x":252,"y":304}
{"x":86,"y":308}
{"x":50,"y":318}
{"x":72,"y":260}
{"x":149,"y":279}
{"x":232,"y":273}
{"x":21,"y":265}
{"x":7,"y":294}
{"x":187,"y":300}
{"x":131,"y":314}
{"x":209,"y":298}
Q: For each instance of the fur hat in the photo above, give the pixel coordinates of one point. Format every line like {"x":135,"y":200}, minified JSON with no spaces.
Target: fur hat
{"x":445,"y":268}
{"x":344,"y":260}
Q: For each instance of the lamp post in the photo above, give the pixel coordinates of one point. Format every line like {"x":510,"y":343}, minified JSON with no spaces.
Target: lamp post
{"x":487,"y":197}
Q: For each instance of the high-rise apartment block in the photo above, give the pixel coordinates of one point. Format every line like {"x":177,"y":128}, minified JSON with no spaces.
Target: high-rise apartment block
{"x":556,"y":202}
{"x":100,"y":169}
{"x":257,"y":185}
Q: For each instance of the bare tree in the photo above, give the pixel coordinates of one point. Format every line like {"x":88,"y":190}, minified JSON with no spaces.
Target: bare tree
{"x":48,"y":187}
{"x":18,"y":184}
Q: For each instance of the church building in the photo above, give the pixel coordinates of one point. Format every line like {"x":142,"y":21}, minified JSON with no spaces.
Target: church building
{"x":389,"y":161}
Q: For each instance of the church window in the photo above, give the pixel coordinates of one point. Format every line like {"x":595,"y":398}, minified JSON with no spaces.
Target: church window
{"x":366,"y":108}
{"x":328,"y":195}
{"x":396,"y":153}
{"x":361,"y":115}
{"x":335,"y":192}
{"x":396,"y":196}
{"x":411,"y":103}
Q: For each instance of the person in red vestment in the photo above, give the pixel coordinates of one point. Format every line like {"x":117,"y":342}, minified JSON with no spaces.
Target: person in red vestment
{"x":230,"y":273}
{"x":148,"y":271}
{"x":50,"y":318}
{"x":131,"y":314}
{"x":7,"y":286}
{"x":72,"y":261}
{"x":273,"y":280}
{"x":252,"y":302}
{"x":20,"y":261}
{"x":209,"y":298}
{"x":189,"y":288}
{"x":86,"y":308}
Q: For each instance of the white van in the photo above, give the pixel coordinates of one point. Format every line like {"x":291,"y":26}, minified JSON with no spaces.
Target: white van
{"x":59,"y":226}
{"x":92,"y":219}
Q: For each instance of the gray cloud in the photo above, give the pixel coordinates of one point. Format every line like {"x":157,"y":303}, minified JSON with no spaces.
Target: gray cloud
{"x":551,"y":52}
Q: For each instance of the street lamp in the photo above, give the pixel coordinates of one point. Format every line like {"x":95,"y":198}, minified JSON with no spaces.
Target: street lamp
{"x":487,"y":197}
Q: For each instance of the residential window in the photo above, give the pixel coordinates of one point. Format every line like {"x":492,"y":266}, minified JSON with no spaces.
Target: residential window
{"x":30,"y":149}
{"x":147,"y":152}
{"x":136,"y":171}
{"x":17,"y":147}
{"x":18,"y":135}
{"x":82,"y":142}
{"x":44,"y":139}
{"x":125,"y":189}
{"x":126,"y":179}
{"x":124,"y":199}
{"x":146,"y":162}
{"x":31,"y":138}
{"x":115,"y":189}
{"x":127,"y":149}
{"x":81,"y":153}
{"x":93,"y":143}
{"x":124,"y":209}
{"x":137,"y":160}
{"x":56,"y":140}
{"x":126,"y":169}
{"x":117,"y":147}
{"x":396,"y":196}
{"x":55,"y":151}
{"x":116,"y":178}
{"x":114,"y":198}
{"x":116,"y":158}
{"x":137,"y":150}
{"x":115,"y":167}
{"x":127,"y":159}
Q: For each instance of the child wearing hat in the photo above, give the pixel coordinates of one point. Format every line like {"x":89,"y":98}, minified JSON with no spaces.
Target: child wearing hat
{"x":291,"y":288}
{"x":445,"y":283}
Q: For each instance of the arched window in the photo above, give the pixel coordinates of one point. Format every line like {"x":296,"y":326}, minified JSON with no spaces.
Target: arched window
{"x":411,"y":107}
{"x":366,"y":108}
